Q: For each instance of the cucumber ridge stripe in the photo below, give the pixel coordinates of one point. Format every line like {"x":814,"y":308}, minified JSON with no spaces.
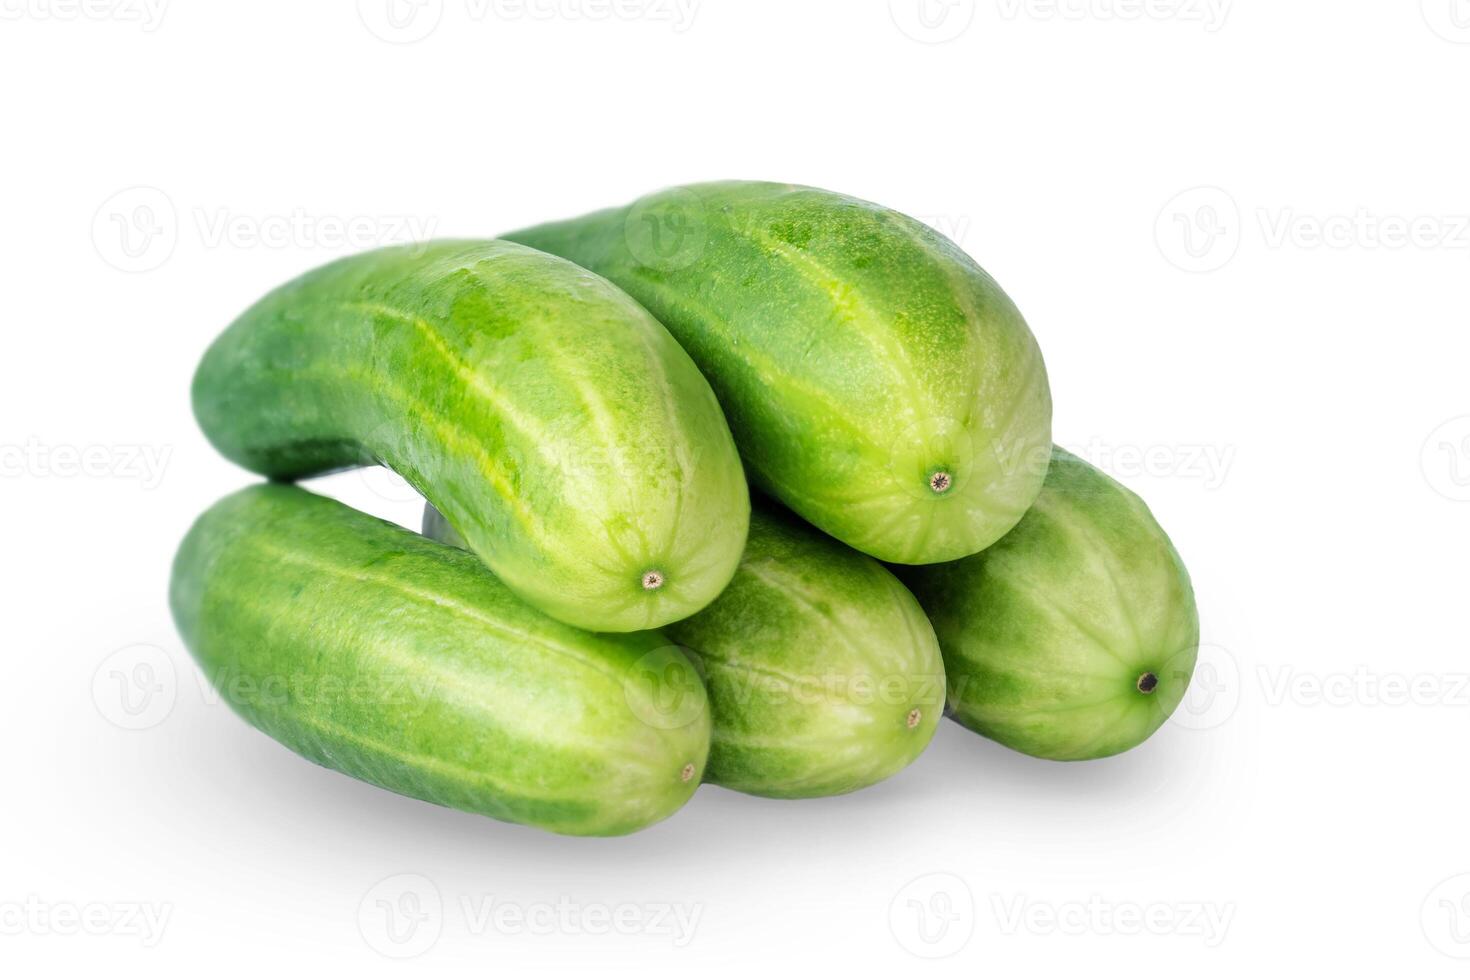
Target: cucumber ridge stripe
{"x":1075,"y":527}
{"x":598,"y":411}
{"x":855,"y":306}
{"x":503,"y":630}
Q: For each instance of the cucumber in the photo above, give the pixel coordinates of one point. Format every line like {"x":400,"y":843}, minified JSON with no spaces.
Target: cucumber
{"x":877,"y":380}
{"x":373,"y":651}
{"x":823,"y":674}
{"x":557,"y":423}
{"x":1075,"y":636}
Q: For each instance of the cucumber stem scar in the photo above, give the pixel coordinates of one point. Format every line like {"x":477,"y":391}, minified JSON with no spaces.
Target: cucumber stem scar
{"x":915,"y":717}
{"x":687,"y":773}
{"x":1147,"y":682}
{"x":653,"y":579}
{"x":940,"y":481}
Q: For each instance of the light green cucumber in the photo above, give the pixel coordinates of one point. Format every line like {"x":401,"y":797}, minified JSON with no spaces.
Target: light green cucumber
{"x":876,"y":379}
{"x":376,"y":652}
{"x":823,"y":674}
{"x":1075,"y":636}
{"x":557,"y":423}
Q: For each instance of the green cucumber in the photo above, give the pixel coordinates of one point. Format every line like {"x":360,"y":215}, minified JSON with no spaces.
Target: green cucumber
{"x":877,"y":380}
{"x":555,"y":421}
{"x":376,"y":652}
{"x":823,"y":674}
{"x":1075,"y":636}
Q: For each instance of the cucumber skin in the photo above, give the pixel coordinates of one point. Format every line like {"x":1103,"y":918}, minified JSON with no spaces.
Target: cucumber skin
{"x":558,"y":424}
{"x":856,"y":353}
{"x":1046,"y":634}
{"x":373,"y":651}
{"x":813,"y":657}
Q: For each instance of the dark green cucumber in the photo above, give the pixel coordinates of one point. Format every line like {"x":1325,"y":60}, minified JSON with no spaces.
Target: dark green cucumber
{"x":560,"y":427}
{"x":1075,"y":636}
{"x":877,"y":380}
{"x":822,"y":672}
{"x":376,"y":652}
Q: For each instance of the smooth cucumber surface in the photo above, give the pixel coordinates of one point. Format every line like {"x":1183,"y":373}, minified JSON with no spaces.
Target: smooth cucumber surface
{"x":876,"y":379}
{"x":558,"y":425}
{"x":376,"y":652}
{"x":823,"y":674}
{"x":1075,"y":636}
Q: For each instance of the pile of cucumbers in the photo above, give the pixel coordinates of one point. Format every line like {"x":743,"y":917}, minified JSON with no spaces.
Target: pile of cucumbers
{"x":745,"y":483}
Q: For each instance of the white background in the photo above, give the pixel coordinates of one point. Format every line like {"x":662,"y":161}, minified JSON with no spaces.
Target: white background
{"x":1240,"y":232}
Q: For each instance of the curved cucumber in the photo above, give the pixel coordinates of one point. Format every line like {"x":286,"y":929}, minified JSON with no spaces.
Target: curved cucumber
{"x":560,"y":427}
{"x":1075,"y":636}
{"x":823,"y":674}
{"x":373,"y":651}
{"x":876,"y":379}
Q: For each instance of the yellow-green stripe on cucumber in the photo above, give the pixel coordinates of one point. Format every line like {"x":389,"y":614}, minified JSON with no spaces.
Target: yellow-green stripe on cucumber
{"x":1075,"y":636}
{"x":376,"y":652}
{"x":876,"y":379}
{"x":548,"y":414}
{"x":823,"y":674}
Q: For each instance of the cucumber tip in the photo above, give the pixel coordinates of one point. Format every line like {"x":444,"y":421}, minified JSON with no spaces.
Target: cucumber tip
{"x":914,"y":718}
